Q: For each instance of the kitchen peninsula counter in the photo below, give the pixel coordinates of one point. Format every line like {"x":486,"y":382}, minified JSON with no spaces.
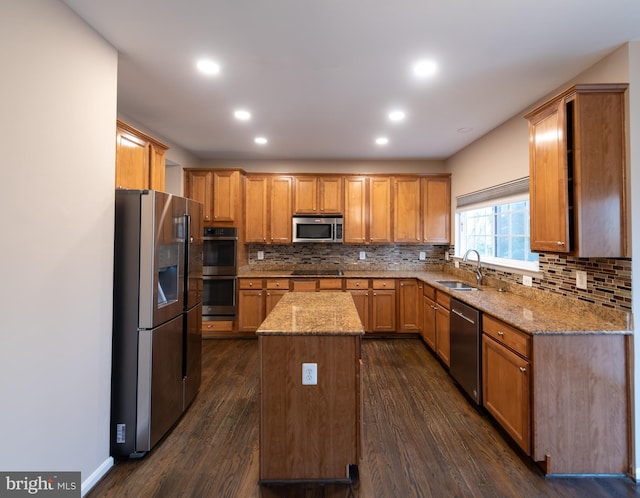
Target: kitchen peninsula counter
{"x":310,"y":389}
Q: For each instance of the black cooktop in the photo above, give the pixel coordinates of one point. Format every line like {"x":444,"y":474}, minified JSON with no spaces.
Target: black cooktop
{"x":336,"y":271}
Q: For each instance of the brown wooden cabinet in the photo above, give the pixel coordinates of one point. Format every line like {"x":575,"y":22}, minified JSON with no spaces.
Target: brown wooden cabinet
{"x":406,"y":210}
{"x":355,"y":210}
{"x":367,"y":210}
{"x":219,"y":191}
{"x":383,"y":305}
{"x":443,"y":335}
{"x":315,"y":194}
{"x":275,"y":289}
{"x":436,"y":209}
{"x":359,"y":290}
{"x":268,"y":209}
{"x":428,"y":329}
{"x":251,"y":304}
{"x":506,"y":383}
{"x":409,"y":309}
{"x":577,"y":172}
{"x":140,"y":159}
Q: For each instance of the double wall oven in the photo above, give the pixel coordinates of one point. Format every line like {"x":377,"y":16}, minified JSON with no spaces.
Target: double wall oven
{"x":219,"y":273}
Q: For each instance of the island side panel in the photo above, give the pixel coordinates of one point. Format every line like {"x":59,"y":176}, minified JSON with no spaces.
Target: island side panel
{"x":580,"y":399}
{"x":308,"y":432}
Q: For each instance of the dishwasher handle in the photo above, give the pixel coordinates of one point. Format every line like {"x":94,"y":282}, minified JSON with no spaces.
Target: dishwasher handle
{"x":463,"y":316}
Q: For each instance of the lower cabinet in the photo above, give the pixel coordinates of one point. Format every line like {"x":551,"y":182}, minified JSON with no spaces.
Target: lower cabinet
{"x":275,"y":289}
{"x":409,"y":309}
{"x":435,"y":329}
{"x":359,"y":290}
{"x":506,"y":391}
{"x":383,"y":305}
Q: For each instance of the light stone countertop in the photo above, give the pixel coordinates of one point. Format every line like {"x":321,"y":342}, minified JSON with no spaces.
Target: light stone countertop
{"x":532,"y":311}
{"x":313,"y":313}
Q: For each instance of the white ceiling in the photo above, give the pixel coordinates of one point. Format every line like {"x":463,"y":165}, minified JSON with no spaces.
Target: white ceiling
{"x":320,"y":75}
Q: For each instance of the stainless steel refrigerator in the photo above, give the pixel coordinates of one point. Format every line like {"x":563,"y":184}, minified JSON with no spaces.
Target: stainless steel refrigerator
{"x":157,"y":309}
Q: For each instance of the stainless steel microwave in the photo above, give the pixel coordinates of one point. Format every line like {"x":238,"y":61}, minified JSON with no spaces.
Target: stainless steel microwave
{"x":317,"y":228}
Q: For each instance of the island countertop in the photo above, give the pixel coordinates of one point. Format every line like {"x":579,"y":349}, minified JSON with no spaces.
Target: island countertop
{"x":313,"y":313}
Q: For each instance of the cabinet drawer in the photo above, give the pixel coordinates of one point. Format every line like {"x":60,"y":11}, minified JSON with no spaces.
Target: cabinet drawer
{"x":429,"y":292}
{"x":250,"y":283}
{"x":303,"y":285}
{"x":505,"y":334}
{"x":357,"y":283}
{"x":443,"y":299}
{"x":330,"y":284}
{"x":384,"y":284}
{"x":278,"y":283}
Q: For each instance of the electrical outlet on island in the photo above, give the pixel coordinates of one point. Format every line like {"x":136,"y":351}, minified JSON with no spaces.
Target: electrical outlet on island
{"x":309,"y":374}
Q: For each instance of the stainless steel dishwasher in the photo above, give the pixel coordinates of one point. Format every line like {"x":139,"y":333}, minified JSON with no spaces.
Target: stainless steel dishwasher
{"x":466,"y":349}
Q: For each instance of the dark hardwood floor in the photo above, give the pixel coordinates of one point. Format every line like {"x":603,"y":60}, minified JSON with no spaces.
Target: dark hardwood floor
{"x":421,"y":437}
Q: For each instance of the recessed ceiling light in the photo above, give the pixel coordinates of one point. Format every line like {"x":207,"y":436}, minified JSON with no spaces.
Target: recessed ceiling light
{"x":382,"y":140}
{"x":260,"y":140}
{"x":208,"y":66}
{"x":242,"y":114}
{"x":425,"y":68}
{"x":396,"y":115}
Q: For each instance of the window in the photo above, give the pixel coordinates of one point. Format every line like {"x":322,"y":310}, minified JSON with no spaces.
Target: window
{"x":495,"y":222}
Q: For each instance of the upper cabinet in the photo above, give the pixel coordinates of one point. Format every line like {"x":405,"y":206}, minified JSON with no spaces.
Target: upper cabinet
{"x":577,"y":173}
{"x":421,"y":209}
{"x":268,"y":209}
{"x":367,"y":210}
{"x":140,"y":159}
{"x":315,"y":194}
{"x":218,"y":190}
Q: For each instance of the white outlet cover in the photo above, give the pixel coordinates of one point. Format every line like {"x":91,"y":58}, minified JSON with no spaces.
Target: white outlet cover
{"x":457,"y":264}
{"x":309,"y":374}
{"x":581,"y":279}
{"x":363,"y":255}
{"x":260,"y":254}
{"x":423,"y":255}
{"x":527,"y":280}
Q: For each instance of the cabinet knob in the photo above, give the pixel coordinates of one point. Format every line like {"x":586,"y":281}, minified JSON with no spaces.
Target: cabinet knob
{"x":560,"y":243}
{"x":206,"y":217}
{"x":402,"y":285}
{"x":500,"y":333}
{"x":250,"y":284}
{"x":523,"y":370}
{"x":384,"y":284}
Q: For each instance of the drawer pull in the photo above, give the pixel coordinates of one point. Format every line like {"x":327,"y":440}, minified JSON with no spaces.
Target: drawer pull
{"x":560,"y":243}
{"x":523,"y":370}
{"x":500,"y":333}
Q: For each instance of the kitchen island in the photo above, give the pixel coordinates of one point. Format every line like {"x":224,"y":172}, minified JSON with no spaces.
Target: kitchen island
{"x":310,"y":389}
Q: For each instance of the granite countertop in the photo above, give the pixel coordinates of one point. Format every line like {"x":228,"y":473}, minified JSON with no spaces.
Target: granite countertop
{"x":313,"y":313}
{"x":533,"y":311}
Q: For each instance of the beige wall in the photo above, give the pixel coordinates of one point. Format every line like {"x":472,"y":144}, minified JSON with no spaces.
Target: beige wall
{"x":333,"y":166}
{"x":57,"y":128}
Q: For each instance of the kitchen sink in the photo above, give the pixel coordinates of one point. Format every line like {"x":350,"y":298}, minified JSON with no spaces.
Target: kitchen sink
{"x":456,"y":285}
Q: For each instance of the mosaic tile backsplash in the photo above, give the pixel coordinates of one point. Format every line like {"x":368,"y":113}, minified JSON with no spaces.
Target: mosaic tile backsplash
{"x":608,"y":280}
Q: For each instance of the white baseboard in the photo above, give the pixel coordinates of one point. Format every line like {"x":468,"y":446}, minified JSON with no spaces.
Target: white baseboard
{"x":97,"y":474}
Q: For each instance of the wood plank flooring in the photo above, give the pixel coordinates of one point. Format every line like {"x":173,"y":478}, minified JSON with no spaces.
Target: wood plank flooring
{"x":421,"y":437}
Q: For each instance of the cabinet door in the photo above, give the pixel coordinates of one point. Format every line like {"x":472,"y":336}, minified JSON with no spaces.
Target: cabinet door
{"x":406,"y":221}
{"x":330,"y":195}
{"x":305,"y":195}
{"x":157,"y":168}
{"x":271,"y":299}
{"x":548,"y":174}
{"x":361,"y":300}
{"x":132,"y":161}
{"x":429,"y":322}
{"x":380,"y":209}
{"x":443,"y":340}
{"x":505,"y":390}
{"x":199,"y":187}
{"x":355,"y":210}
{"x":409,"y":306}
{"x":225,"y":195}
{"x":280,"y":218}
{"x":255,"y":225}
{"x":383,"y":311}
{"x":436,"y":210}
{"x":250,"y":310}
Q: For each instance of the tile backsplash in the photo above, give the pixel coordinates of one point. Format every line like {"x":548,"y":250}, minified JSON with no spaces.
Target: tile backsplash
{"x":346,"y":256}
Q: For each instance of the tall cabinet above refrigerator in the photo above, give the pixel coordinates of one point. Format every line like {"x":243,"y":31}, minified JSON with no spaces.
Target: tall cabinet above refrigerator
{"x":157,"y":308}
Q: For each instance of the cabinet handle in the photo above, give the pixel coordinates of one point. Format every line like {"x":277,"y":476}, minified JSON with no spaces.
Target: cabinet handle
{"x":401,"y":285}
{"x":375,"y":294}
{"x":250,"y":284}
{"x":523,"y":370}
{"x":560,"y":243}
{"x":500,"y":333}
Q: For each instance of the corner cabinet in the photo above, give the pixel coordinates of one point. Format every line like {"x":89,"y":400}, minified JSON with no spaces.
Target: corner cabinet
{"x":140,"y":159}
{"x":577,"y":173}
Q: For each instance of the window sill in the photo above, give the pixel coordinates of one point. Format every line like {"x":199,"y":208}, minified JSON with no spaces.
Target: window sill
{"x":513,"y":269}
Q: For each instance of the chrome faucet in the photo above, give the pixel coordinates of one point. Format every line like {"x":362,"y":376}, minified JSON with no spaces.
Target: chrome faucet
{"x":478,"y":272}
